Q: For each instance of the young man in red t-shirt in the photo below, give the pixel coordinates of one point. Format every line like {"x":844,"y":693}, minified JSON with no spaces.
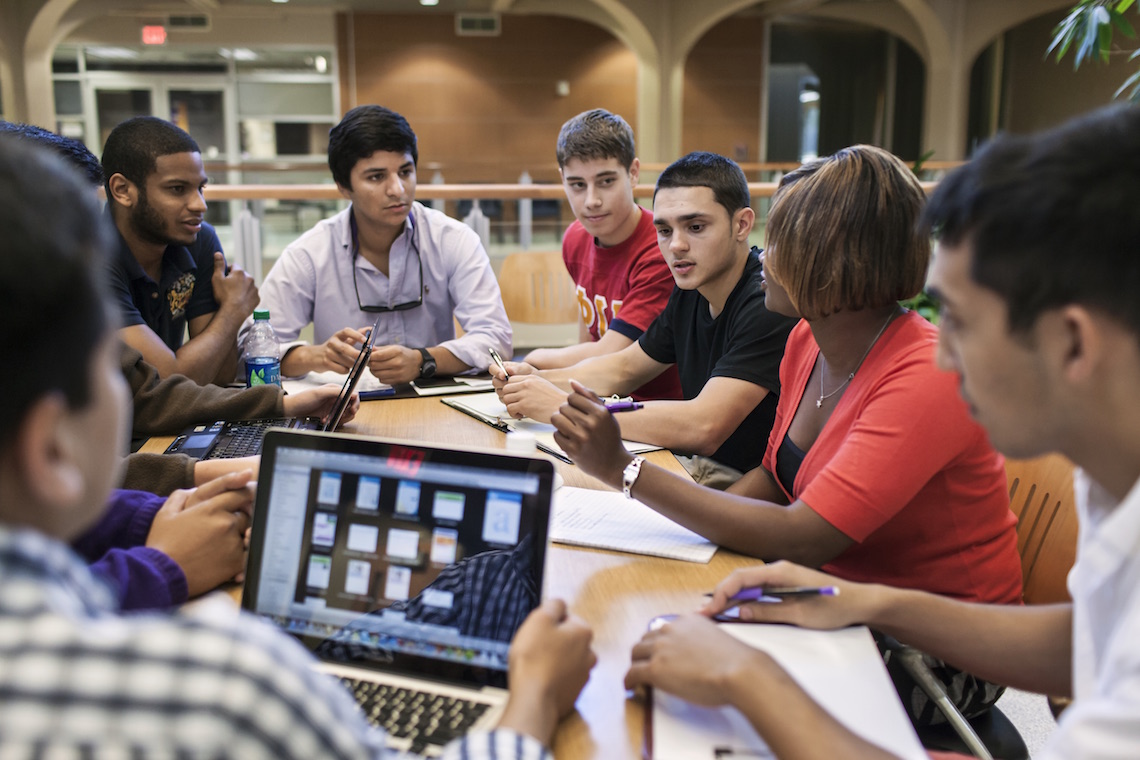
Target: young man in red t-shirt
{"x":611,"y":251}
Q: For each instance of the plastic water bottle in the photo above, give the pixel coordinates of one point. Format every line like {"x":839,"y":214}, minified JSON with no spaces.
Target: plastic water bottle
{"x":262,"y":352}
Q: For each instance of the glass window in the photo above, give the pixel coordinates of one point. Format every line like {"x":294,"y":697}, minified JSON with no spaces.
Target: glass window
{"x":68,"y":98}
{"x":272,"y":98}
{"x":201,"y":113}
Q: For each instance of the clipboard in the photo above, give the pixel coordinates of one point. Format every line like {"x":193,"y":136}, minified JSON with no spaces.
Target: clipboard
{"x":505,"y":424}
{"x":487,"y":408}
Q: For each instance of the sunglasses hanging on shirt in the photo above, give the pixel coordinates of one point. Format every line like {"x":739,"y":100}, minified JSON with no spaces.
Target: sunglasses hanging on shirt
{"x":400,"y":306}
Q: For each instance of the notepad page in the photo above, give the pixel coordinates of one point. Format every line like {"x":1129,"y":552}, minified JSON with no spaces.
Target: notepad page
{"x":459,"y":385}
{"x":608,"y":520}
{"x":841,"y":670}
{"x":489,"y":405}
{"x":368,"y":381}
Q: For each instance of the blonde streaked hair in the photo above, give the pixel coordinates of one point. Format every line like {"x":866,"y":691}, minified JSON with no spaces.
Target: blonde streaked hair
{"x":843,"y":233}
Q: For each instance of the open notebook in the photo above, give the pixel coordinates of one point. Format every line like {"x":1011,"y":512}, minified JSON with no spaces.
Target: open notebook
{"x":841,"y":670}
{"x":487,"y":408}
{"x":608,"y":520}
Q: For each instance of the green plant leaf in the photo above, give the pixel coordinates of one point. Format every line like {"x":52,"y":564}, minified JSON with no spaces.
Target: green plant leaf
{"x":1133,"y":82}
{"x":922,"y":159}
{"x":1104,"y":42}
{"x":1122,"y":25}
{"x":1124,"y":5}
{"x":1065,"y":33}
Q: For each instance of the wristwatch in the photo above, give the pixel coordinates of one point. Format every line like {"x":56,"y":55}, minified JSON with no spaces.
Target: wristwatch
{"x":427,"y":369}
{"x":629,"y":476}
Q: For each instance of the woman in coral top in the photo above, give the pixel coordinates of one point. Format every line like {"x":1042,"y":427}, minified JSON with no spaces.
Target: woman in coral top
{"x":874,"y":469}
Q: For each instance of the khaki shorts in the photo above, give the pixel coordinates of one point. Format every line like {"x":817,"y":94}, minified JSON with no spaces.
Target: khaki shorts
{"x":709,"y":472}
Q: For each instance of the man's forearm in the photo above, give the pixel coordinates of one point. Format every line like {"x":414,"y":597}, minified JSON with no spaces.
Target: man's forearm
{"x":208,"y":356}
{"x":605,"y":375}
{"x":676,"y":425}
{"x":300,"y":360}
{"x":447,"y":363}
{"x":1027,"y":647}
{"x":557,"y":358}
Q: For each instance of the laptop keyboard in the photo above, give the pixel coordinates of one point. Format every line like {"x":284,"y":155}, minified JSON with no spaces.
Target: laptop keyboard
{"x":420,"y":717}
{"x":243,"y":438}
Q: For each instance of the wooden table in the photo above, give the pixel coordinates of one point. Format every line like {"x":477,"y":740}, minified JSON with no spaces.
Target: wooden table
{"x":617,"y":594}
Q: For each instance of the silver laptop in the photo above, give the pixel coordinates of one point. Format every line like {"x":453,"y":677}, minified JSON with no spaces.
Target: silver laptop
{"x":405,"y":568}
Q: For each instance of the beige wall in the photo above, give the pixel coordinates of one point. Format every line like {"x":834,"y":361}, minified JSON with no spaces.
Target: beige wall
{"x":485,"y":108}
{"x":1041,"y":93}
{"x":724,"y":76}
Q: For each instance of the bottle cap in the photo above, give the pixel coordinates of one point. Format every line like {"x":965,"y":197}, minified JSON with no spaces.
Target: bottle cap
{"x":261,"y":314}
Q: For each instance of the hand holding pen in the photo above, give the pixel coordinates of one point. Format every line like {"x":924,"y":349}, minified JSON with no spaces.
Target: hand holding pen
{"x":777,"y":594}
{"x":499,"y":362}
{"x":782,"y":592}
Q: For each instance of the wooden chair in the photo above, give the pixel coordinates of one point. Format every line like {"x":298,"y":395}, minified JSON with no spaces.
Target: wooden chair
{"x":537,"y":291}
{"x":1041,"y":495}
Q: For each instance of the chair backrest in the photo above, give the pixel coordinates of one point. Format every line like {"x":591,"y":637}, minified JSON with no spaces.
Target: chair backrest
{"x":1041,"y":495}
{"x":537,"y":289}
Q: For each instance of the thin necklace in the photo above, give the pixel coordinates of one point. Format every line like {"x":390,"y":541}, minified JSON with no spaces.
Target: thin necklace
{"x":823,"y":361}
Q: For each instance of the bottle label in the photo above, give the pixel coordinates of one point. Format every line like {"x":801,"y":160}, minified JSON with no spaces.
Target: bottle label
{"x":262,"y":371}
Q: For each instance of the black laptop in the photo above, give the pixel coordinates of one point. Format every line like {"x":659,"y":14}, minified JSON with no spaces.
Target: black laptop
{"x":226,"y":439}
{"x":405,"y":568}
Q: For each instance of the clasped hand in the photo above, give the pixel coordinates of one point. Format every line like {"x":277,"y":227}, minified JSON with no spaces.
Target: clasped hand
{"x":526,"y":393}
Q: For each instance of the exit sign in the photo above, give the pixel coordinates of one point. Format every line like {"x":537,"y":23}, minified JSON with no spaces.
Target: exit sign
{"x":154,"y":35}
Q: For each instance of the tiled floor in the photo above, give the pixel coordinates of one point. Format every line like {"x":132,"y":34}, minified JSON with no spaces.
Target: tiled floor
{"x":1030,"y":714}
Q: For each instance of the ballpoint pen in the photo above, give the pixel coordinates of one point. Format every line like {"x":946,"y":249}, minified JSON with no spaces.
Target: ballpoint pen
{"x":778,"y":594}
{"x":614,"y":407}
{"x":499,"y":362}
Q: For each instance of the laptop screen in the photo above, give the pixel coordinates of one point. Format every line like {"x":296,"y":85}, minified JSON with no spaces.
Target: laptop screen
{"x":398,"y":556}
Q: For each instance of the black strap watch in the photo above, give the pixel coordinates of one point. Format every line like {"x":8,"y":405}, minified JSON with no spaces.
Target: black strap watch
{"x":427,"y":369}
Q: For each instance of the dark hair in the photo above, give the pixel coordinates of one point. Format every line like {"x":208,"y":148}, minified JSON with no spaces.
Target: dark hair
{"x":596,"y":134}
{"x":134,"y":145}
{"x":843,"y":233}
{"x":1052,"y":218}
{"x":363,"y":131}
{"x":719,"y":174}
{"x":69,"y":148}
{"x":53,"y":253}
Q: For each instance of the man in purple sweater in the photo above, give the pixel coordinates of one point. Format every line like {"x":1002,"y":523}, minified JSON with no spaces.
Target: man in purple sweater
{"x":158,"y":552}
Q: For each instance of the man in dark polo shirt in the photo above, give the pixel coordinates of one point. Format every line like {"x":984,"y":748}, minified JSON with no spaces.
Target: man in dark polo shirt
{"x":170,"y":273}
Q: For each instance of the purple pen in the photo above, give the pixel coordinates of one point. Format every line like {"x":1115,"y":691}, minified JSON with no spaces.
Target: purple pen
{"x":780,"y":593}
{"x":623,"y":406}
